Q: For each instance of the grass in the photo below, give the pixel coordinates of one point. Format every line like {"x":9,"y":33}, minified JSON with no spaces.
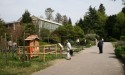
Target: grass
{"x":13,"y":66}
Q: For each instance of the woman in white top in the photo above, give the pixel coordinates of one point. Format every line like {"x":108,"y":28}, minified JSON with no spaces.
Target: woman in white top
{"x":68,"y":47}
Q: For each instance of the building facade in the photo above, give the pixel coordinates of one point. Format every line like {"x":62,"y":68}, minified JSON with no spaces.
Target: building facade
{"x":43,"y":23}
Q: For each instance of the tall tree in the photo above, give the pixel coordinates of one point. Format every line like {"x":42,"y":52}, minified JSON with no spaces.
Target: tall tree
{"x":65,"y":20}
{"x":102,"y":19}
{"x":29,"y":27}
{"x":101,"y":9}
{"x":120,"y":25}
{"x":110,"y":23}
{"x":90,"y":21}
{"x":69,"y":21}
{"x":48,"y":13}
{"x":26,"y":17}
{"x":58,"y":18}
{"x":80,"y":24}
{"x":2,"y":27}
{"x":123,"y":10}
{"x":69,"y":32}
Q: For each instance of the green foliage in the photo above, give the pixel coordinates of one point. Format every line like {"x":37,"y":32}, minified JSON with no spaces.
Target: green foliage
{"x":29,"y":28}
{"x":69,"y":32}
{"x":119,"y":51}
{"x":111,"y":21}
{"x":26,"y":17}
{"x":122,"y":38}
{"x":2,"y":28}
{"x":119,"y":43}
{"x":69,"y":21}
{"x":123,"y":10}
{"x":90,"y":20}
{"x":94,"y":21}
{"x":112,"y":39}
{"x":115,"y":26}
{"x":120,"y":18}
{"x":48,"y":13}
{"x":17,"y":67}
{"x":101,"y":9}
{"x":25,"y":64}
{"x":90,"y":39}
{"x":44,"y":33}
{"x":102,"y":19}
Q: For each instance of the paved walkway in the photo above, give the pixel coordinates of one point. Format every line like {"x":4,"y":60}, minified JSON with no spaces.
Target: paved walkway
{"x":87,"y":62}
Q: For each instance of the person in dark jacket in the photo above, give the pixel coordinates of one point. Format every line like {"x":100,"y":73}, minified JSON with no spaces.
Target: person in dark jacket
{"x":100,"y":45}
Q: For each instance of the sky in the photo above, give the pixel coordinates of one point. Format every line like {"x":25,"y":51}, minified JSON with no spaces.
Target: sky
{"x":12,"y":10}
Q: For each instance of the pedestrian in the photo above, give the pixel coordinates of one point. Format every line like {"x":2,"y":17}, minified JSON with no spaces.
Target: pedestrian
{"x":14,"y":46}
{"x":77,"y":42}
{"x":100,"y":45}
{"x":10,"y":43}
{"x":69,"y":50}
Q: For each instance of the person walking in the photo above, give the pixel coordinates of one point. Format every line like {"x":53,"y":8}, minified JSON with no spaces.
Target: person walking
{"x":68,"y":47}
{"x":100,"y":45}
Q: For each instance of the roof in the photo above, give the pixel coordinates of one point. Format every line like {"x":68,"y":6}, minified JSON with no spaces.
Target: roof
{"x":12,"y":22}
{"x":42,"y":19}
{"x":32,"y":37}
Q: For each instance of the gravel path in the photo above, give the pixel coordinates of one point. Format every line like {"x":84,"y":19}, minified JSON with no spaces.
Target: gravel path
{"x":87,"y":62}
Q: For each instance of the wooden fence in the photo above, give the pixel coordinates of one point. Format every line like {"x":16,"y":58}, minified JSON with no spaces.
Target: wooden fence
{"x":41,"y":50}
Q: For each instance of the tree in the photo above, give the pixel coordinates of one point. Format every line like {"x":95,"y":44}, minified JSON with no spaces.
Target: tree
{"x":101,"y":9}
{"x":110,"y":23}
{"x":28,"y":26}
{"x":121,"y":23}
{"x":102,"y":19}
{"x":90,"y":21}
{"x":69,"y":32}
{"x":44,"y":33}
{"x":29,"y":29}
{"x":69,"y":21}
{"x":2,"y":27}
{"x":65,"y":20}
{"x":26,"y":17}
{"x":80,"y":24}
{"x":58,"y":18}
{"x":48,"y":13}
{"x":123,"y":10}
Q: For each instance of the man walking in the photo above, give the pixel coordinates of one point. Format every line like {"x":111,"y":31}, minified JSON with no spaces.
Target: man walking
{"x":100,"y":45}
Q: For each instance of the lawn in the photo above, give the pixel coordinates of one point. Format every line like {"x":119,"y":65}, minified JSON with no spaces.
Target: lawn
{"x":11,"y":65}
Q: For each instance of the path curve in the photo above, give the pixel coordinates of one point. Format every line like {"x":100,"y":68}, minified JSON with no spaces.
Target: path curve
{"x":87,"y":62}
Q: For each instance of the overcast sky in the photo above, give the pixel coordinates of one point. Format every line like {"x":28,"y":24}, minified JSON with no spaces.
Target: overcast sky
{"x":11,"y":10}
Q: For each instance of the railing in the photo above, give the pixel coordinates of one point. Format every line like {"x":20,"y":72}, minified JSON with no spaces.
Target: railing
{"x":38,"y":50}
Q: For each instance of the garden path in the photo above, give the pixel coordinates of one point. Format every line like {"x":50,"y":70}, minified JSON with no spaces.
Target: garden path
{"x":87,"y":62}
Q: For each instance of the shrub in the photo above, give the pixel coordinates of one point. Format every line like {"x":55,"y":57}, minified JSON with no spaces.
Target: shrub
{"x":119,"y":43}
{"x":112,"y":39}
{"x":122,"y":38}
{"x":119,"y":51}
{"x":90,"y":37}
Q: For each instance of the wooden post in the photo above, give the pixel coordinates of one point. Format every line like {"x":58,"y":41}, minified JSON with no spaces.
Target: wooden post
{"x":56,"y":49}
{"x":19,"y":53}
{"x":44,"y":54}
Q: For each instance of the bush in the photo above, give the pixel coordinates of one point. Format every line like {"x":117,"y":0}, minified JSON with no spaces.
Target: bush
{"x":112,"y":39}
{"x":119,"y":51}
{"x":90,"y":39}
{"x":119,"y":43}
{"x":122,"y":38}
